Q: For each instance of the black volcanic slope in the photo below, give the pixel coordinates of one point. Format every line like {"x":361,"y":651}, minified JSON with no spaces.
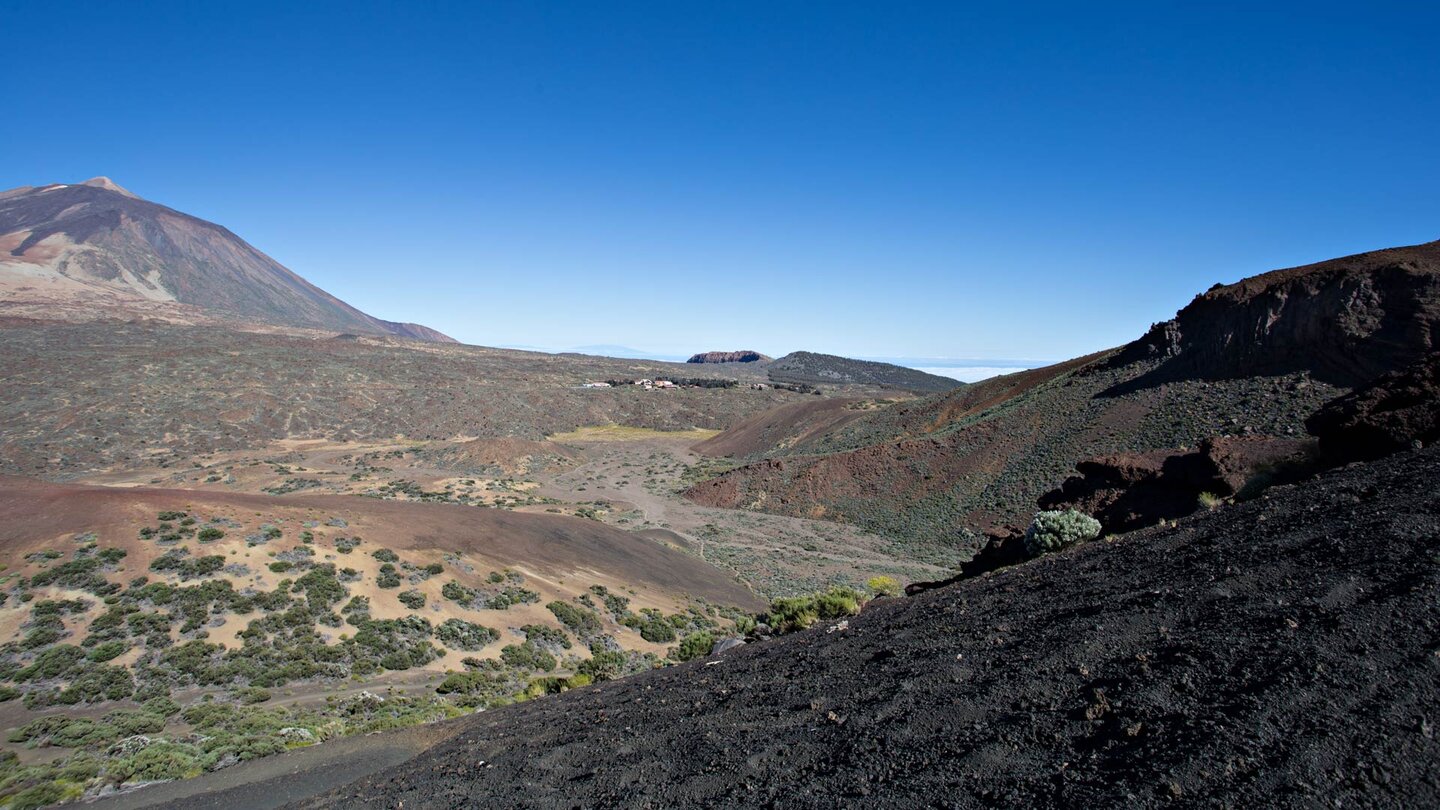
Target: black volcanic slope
{"x":131,"y":244}
{"x":1285,"y":652}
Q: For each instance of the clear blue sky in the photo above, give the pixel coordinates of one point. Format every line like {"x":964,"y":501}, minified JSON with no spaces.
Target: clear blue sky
{"x":884,"y":178}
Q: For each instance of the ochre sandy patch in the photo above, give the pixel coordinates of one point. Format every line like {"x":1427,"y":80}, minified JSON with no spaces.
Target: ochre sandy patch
{"x":35,"y":515}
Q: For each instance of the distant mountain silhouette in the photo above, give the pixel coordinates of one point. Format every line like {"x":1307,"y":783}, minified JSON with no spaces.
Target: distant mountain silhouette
{"x":98,"y":243}
{"x":812,"y":368}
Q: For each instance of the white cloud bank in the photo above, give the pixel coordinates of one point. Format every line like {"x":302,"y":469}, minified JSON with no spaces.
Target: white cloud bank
{"x":970,"y":373}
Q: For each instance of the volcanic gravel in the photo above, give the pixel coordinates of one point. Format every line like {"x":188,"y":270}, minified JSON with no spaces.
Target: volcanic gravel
{"x":1283,"y":652}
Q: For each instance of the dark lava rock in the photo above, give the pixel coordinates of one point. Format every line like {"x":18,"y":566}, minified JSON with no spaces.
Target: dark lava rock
{"x":1277,"y":653}
{"x":1127,"y":491}
{"x":742,"y":356}
{"x":1387,"y":415}
{"x":1345,"y":321}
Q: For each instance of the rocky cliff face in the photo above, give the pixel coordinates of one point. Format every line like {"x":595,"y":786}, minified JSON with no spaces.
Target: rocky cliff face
{"x":742,"y":356}
{"x":1344,"y":321}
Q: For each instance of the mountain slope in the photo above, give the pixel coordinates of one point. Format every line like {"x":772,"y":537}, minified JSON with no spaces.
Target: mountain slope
{"x":829,"y":369}
{"x":97,"y":242}
{"x":1257,"y":356}
{"x":1277,"y":653}
{"x":96,"y":396}
{"x":551,"y":546}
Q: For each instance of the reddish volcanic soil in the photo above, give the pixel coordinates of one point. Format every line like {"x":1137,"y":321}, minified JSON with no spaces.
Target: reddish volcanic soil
{"x":34,"y":515}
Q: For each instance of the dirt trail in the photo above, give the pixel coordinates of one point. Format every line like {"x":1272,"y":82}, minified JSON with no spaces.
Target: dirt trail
{"x":274,"y":781}
{"x":774,"y":554}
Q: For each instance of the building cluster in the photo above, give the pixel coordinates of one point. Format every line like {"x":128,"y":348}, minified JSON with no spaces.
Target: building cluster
{"x":646,"y":384}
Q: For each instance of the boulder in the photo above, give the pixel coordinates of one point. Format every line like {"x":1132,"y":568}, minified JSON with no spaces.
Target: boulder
{"x":725,"y":644}
{"x":1388,"y":414}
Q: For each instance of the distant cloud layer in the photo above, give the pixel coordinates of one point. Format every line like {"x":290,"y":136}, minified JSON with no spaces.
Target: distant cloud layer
{"x":970,"y":373}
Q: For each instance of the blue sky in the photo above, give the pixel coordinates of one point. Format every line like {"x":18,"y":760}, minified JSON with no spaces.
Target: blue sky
{"x":972,"y":180}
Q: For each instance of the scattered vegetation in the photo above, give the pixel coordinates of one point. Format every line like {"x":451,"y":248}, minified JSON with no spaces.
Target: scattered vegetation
{"x":789,"y":614}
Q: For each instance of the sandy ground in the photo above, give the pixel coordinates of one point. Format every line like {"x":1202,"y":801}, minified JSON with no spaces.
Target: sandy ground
{"x":625,"y":477}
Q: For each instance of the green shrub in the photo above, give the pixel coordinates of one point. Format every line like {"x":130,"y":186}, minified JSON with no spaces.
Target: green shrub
{"x":159,"y":761}
{"x":658,"y":632}
{"x":162,"y":706}
{"x":110,"y":556}
{"x":322,"y":590}
{"x":178,"y":561}
{"x":527,"y":656}
{"x":465,"y":635}
{"x":883,"y":586}
{"x":412,"y":599}
{"x":799,"y":612}
{"x":582,"y":622}
{"x":98,"y":682}
{"x":130,"y":723}
{"x":385,"y":555}
{"x":1052,"y":531}
{"x":696,"y":645}
{"x":509,"y":596}
{"x":210,"y":534}
{"x":106,"y":650}
{"x":57,"y":662}
{"x":603,"y":666}
{"x":38,"y":796}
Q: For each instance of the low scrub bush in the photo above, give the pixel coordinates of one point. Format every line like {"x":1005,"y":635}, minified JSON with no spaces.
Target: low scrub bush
{"x":582,"y":622}
{"x":799,"y":612}
{"x":1052,"y":531}
{"x":883,"y":586}
{"x":696,"y":645}
{"x":465,"y":635}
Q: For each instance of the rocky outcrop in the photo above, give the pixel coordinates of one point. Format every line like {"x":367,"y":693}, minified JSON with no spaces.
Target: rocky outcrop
{"x":1389,"y":414}
{"x":1128,"y":491}
{"x":742,"y":356}
{"x":1344,"y":321}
